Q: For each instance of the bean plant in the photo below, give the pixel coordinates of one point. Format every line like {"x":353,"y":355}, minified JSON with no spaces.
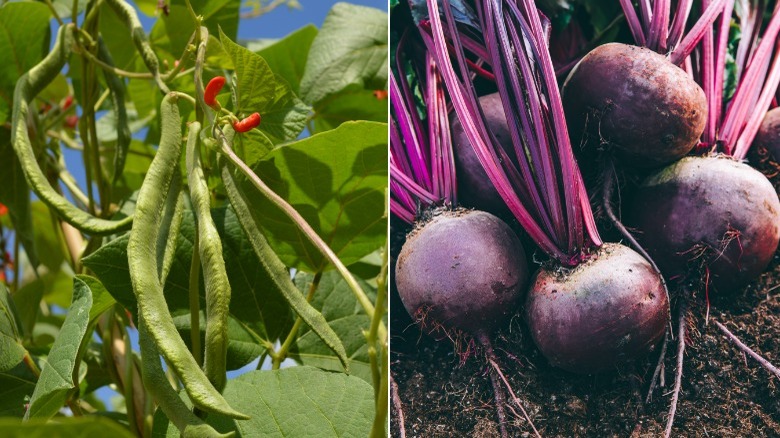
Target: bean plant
{"x":232,"y":215}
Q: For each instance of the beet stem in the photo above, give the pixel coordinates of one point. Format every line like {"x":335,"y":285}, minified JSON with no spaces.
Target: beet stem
{"x":745,"y":349}
{"x":683,"y":307}
{"x":658,"y":367}
{"x":398,"y":407}
{"x":609,"y":185}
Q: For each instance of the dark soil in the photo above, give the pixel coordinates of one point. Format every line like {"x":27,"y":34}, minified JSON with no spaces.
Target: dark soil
{"x":724,"y":393}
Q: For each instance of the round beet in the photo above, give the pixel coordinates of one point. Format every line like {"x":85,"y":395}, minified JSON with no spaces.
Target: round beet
{"x":768,"y":137}
{"x":474,"y":187}
{"x":607,"y":310}
{"x":462,"y":270}
{"x":649,"y":111}
{"x":710,"y":212}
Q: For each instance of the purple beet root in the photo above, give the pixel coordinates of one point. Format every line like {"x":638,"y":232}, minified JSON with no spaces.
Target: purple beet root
{"x":461,"y":271}
{"x":768,"y":137}
{"x":648,"y":111}
{"x":710,"y":212}
{"x":605,"y":311}
{"x":474,"y":187}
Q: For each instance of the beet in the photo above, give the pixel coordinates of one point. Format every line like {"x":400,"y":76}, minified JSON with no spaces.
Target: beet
{"x":708,"y":211}
{"x":462,"y":270}
{"x":647,"y":110}
{"x":475,"y":188}
{"x":605,"y":311}
{"x":768,"y":137}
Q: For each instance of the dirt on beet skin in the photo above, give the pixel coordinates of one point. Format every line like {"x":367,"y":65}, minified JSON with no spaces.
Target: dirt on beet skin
{"x":724,"y":393}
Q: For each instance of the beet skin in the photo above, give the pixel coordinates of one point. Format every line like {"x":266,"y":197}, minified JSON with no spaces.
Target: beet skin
{"x":607,"y":310}
{"x":474,"y":187}
{"x":462,"y":270}
{"x":708,"y":211}
{"x":768,"y":137}
{"x":632,"y":100}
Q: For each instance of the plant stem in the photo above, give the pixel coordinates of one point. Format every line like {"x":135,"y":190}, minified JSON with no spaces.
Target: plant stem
{"x":54,"y":12}
{"x":65,"y":139}
{"x":194,"y":294}
{"x":375,"y":344}
{"x":281,"y":354}
{"x":31,"y":365}
{"x":127,"y":381}
{"x":380,"y":419}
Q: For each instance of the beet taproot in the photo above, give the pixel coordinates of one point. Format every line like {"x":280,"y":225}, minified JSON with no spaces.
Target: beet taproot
{"x":462,"y":270}
{"x":599,"y":314}
{"x":710,"y":213}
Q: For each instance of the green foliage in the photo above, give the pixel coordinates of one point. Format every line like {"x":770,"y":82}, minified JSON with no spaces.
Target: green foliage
{"x":83,"y":427}
{"x":25,"y":38}
{"x":287,"y":56}
{"x":298,"y":401}
{"x":347,"y":62}
{"x":261,"y":90}
{"x":336,"y":180}
{"x":335,"y":301}
{"x":57,"y":375}
{"x":11,"y":349}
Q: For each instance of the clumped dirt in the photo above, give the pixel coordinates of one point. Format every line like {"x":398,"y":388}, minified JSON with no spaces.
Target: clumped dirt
{"x":724,"y":393}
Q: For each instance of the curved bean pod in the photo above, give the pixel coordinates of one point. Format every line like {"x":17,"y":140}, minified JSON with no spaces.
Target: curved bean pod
{"x":28,"y":86}
{"x":130,"y":17}
{"x":142,"y":253}
{"x":116,"y":87}
{"x":214,"y":273}
{"x":167,"y":398}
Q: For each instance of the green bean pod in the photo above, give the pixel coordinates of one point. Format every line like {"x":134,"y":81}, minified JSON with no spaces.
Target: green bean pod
{"x":170,"y":225}
{"x":214,"y":273}
{"x":143,"y":255}
{"x":117,"y":89}
{"x":127,"y":13}
{"x":27,"y":87}
{"x":167,"y":398}
{"x":276,"y":269}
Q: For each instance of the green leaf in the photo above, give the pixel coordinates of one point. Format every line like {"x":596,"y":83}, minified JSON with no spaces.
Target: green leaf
{"x":48,"y":243}
{"x":82,"y":427}
{"x":352,"y":103}
{"x":24,"y":40}
{"x":336,"y":180}
{"x":292,"y":402}
{"x":11,"y":349}
{"x":101,"y":299}
{"x":287,"y":56}
{"x":351,"y":48}
{"x":57,"y":376}
{"x":15,"y":194}
{"x":260,"y":90}
{"x":255,"y":301}
{"x":17,"y":384}
{"x":337,"y":303}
